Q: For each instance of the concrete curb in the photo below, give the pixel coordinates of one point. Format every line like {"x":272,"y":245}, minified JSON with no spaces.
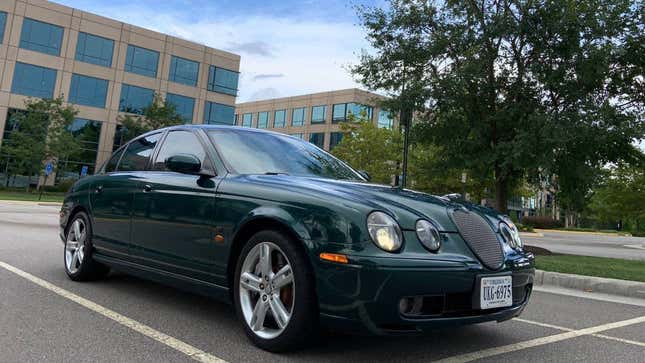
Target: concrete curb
{"x":531,"y":234}
{"x":617,"y":234}
{"x":603,"y":285}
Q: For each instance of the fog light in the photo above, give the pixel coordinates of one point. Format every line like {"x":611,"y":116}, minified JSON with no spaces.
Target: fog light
{"x":411,"y":305}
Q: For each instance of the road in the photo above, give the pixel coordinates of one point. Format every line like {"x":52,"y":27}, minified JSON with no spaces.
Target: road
{"x":588,"y":244}
{"x":46,"y":317}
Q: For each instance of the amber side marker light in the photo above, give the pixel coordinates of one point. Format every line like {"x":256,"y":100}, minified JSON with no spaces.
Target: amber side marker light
{"x":334,"y":257}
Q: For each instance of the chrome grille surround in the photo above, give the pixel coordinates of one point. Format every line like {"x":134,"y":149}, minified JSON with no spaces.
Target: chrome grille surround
{"x":481,"y":238}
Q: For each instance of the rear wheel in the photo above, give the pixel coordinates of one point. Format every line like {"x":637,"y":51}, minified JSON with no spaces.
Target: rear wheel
{"x":79,"y":264}
{"x":274,"y":292}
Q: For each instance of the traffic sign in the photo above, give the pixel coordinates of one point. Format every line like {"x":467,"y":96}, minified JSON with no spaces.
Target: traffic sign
{"x":84,"y":171}
{"x":48,"y":168}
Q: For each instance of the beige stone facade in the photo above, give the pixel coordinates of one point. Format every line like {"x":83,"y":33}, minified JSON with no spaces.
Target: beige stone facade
{"x":309,"y":101}
{"x":74,"y":21}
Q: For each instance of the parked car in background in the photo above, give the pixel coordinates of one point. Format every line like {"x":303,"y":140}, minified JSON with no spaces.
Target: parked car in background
{"x":292,"y":236}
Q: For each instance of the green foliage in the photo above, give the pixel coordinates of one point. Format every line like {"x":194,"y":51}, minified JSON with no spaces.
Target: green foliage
{"x":42,"y":134}
{"x":621,"y":196}
{"x":613,"y":268}
{"x":366,"y":147}
{"x":513,"y":86}
{"x":158,"y":114}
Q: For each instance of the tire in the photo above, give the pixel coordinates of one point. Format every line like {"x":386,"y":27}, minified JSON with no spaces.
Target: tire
{"x":297,"y":297}
{"x":77,"y":254}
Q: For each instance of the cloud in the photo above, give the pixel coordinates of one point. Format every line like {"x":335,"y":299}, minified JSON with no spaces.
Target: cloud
{"x":265,"y":93}
{"x":252,"y":48}
{"x":310,"y":52}
{"x":268,"y":76}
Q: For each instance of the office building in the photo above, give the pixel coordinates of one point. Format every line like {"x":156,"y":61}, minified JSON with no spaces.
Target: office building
{"x":314,"y":117}
{"x":105,"y":68}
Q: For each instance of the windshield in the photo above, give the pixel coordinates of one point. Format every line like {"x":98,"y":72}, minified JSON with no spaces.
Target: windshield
{"x":265,"y":153}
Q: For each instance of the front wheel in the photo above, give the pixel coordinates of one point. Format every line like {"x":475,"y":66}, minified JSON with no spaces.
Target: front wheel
{"x":274,"y":292}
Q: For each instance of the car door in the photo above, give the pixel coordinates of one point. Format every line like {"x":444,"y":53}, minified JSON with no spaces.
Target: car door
{"x":112,"y":196}
{"x":174,"y":212}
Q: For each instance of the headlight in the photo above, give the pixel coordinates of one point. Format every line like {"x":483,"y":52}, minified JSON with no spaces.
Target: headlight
{"x":511,"y":234}
{"x":428,"y":235}
{"x":384,"y":230}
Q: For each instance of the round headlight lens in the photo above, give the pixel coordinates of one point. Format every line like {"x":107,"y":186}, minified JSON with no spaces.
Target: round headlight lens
{"x":384,"y":231}
{"x":429,"y":235}
{"x":511,"y":234}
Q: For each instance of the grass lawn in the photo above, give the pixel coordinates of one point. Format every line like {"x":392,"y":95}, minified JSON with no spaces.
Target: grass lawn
{"x":32,"y":196}
{"x":593,"y":266}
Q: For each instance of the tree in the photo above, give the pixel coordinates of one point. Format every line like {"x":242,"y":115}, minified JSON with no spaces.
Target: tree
{"x":621,"y":196}
{"x":157,"y":115}
{"x":511,"y":86}
{"x":42,"y":133}
{"x":366,"y":147}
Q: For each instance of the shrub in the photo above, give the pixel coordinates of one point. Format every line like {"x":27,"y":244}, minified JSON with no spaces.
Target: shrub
{"x":541,"y":222}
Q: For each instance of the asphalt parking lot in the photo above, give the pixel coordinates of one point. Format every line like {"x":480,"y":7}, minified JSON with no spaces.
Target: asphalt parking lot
{"x":46,"y":317}
{"x":587,"y":244}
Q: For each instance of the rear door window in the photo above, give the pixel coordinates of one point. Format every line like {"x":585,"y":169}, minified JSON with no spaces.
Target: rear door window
{"x":138,"y":153}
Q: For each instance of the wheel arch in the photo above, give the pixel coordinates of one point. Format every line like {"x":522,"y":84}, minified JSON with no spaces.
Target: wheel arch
{"x":252,"y":226}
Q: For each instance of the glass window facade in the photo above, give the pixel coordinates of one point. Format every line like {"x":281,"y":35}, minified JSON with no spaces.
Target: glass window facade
{"x":279,"y":118}
{"x":334,"y":139}
{"x":138,"y":152}
{"x":3,"y":24}
{"x":298,"y":116}
{"x":142,"y":61}
{"x":263,"y":120}
{"x":385,"y":120}
{"x":183,"y":71}
{"x":247,"y":120}
{"x":35,"y":81}
{"x":41,"y":37}
{"x":94,"y":49}
{"x":88,"y":133}
{"x":341,"y":111}
{"x":119,"y":137}
{"x":134,"y":99}
{"x":222,"y":80}
{"x":184,"y":106}
{"x":298,"y":135}
{"x":318,"y":139}
{"x":318,"y":114}
{"x":88,"y":91}
{"x":219,"y":114}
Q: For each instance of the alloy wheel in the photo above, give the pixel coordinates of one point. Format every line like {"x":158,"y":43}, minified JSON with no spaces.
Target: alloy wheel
{"x":75,"y":245}
{"x":267,"y":290}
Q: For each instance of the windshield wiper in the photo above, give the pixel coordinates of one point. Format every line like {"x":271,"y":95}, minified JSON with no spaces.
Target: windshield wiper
{"x":275,"y":173}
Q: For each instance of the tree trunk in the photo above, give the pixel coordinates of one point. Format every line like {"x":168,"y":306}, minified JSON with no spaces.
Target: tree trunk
{"x":501,"y":195}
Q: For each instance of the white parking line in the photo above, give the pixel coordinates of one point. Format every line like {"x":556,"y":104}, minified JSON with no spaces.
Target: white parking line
{"x":603,"y":336}
{"x":485,"y":353}
{"x":176,"y":344}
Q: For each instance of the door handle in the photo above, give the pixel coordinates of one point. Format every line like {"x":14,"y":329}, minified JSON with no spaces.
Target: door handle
{"x":98,"y":189}
{"x":147,"y":188}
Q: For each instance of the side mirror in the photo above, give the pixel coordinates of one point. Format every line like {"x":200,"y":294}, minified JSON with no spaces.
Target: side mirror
{"x":365,"y":175}
{"x":184,"y":163}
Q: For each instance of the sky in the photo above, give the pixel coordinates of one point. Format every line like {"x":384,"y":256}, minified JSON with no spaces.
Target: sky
{"x":287,"y":47}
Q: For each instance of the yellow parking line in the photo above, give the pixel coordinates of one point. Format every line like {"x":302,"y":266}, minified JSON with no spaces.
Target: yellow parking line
{"x":485,"y":353}
{"x":176,"y":344}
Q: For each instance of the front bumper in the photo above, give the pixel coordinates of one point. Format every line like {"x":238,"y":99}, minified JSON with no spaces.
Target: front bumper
{"x":364,"y":297}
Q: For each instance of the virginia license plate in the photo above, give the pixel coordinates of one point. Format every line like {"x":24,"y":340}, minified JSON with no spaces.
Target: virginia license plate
{"x":495,"y":292}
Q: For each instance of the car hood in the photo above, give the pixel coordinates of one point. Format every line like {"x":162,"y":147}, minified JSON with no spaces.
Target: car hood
{"x":406,"y":205}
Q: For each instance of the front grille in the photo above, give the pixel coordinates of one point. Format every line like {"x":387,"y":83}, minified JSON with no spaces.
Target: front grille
{"x":480,"y":237}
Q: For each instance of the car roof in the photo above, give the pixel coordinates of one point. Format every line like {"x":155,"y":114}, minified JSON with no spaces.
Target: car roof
{"x":222,"y":127}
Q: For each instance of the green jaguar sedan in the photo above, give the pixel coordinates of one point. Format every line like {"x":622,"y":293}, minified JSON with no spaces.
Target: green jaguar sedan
{"x":294,"y":238}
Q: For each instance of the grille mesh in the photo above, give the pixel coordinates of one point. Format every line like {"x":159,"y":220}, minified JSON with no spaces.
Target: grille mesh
{"x":481,"y":238}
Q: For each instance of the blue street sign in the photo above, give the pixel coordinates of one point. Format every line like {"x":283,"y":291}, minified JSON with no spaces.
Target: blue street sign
{"x":48,"y":168}
{"x":84,"y":171}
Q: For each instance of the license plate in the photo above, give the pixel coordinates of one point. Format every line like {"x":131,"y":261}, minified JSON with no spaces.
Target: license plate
{"x":495,"y":292}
